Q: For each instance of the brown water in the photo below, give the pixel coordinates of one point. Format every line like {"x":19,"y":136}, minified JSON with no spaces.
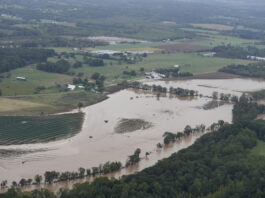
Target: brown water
{"x":165,"y":113}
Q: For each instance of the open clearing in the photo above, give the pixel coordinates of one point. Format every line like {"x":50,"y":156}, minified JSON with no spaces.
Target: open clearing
{"x":214,"y":27}
{"x":9,"y":105}
{"x":47,"y":103}
{"x":190,"y":62}
{"x":11,"y":86}
{"x":184,"y":47}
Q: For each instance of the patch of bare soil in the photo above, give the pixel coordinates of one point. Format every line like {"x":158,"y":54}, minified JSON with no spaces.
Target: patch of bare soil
{"x":130,"y":125}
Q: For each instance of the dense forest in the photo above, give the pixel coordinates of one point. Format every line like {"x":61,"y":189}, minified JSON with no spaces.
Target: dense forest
{"x":256,"y":70}
{"x":20,"y":57}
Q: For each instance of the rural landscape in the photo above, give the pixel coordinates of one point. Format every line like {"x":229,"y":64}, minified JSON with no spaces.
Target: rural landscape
{"x":130,"y":98}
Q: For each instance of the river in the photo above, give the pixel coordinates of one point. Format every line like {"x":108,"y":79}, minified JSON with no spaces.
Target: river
{"x":98,"y":143}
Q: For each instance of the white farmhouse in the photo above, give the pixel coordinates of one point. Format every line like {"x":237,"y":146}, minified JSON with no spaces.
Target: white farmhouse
{"x":21,"y":78}
{"x":71,"y":87}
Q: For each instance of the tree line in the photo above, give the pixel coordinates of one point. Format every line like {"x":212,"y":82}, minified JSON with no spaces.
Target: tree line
{"x":246,"y":110}
{"x":256,"y":70}
{"x":20,"y":57}
{"x":173,"y":73}
{"x":229,"y":51}
{"x":61,"y":66}
{"x":160,"y":89}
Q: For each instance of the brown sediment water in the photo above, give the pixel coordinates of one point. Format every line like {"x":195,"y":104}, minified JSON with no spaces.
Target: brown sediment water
{"x":98,"y":143}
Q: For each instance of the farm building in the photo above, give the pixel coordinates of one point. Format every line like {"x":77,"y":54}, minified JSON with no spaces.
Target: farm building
{"x":256,"y":58}
{"x":21,"y":78}
{"x":154,"y":75}
{"x":211,"y":54}
{"x":71,"y":87}
{"x":102,"y":52}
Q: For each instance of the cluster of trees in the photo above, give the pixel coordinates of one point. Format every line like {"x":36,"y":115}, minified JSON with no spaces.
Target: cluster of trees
{"x":182,"y":92}
{"x":172,"y":137}
{"x":51,"y":177}
{"x":20,"y":57}
{"x":129,"y":73}
{"x":173,"y":73}
{"x":258,"y":95}
{"x":229,"y":51}
{"x":98,"y":83}
{"x":256,"y":70}
{"x":61,"y":66}
{"x":245,"y":109}
{"x":77,"y":64}
{"x":133,"y":159}
{"x":94,"y":62}
{"x":158,"y":88}
{"x":224,"y":97}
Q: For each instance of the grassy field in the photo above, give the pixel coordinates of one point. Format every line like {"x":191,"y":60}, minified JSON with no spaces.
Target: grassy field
{"x":38,"y":129}
{"x":22,"y":100}
{"x":190,"y":62}
{"x":11,"y":86}
{"x":9,"y":105}
{"x":216,"y":40}
{"x":214,"y":27}
{"x":47,"y":103}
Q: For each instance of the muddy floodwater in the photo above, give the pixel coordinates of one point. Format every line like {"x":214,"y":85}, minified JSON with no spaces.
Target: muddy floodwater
{"x":98,"y":142}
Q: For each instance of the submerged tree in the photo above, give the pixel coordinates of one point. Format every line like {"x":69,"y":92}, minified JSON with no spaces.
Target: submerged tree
{"x":80,"y":105}
{"x":134,"y":159}
{"x":38,"y":179}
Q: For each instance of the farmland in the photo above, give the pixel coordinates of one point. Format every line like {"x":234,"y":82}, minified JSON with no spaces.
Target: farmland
{"x":47,"y":103}
{"x":28,"y":129}
{"x":52,"y":98}
{"x":184,"y":48}
{"x":213,"y":26}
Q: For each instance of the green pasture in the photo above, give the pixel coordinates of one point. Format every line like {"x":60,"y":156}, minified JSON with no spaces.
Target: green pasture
{"x":11,"y":86}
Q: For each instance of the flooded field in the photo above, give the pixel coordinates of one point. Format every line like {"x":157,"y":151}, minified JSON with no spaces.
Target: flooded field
{"x":98,"y":142}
